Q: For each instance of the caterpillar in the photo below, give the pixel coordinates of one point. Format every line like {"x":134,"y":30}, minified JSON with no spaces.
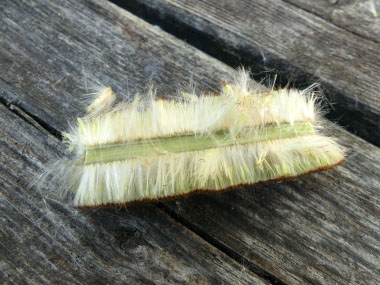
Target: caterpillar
{"x":148,"y":150}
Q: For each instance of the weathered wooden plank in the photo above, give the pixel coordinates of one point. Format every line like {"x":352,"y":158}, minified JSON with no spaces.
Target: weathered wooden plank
{"x":52,"y":54}
{"x":44,"y":241}
{"x":276,"y":36}
{"x":359,"y":17}
{"x":320,"y":229}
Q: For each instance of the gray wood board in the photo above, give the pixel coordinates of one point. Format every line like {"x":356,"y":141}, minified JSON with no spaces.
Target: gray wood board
{"x":278,"y":37}
{"x":359,"y":17}
{"x":44,"y":241}
{"x":42,"y":49}
{"x":319,"y":229}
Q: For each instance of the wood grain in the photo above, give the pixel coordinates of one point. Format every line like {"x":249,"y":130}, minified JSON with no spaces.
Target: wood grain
{"x":278,"y":37}
{"x":43,"y":241}
{"x":359,"y":17}
{"x":319,"y":229}
{"x":43,"y":47}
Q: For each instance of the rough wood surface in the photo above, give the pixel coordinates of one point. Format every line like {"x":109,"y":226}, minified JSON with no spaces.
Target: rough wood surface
{"x":43,"y":241}
{"x":361,"y":17}
{"x":319,"y":229}
{"x":276,"y":36}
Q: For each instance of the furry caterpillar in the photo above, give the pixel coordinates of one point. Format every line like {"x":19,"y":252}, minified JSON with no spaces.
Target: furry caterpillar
{"x":170,"y":148}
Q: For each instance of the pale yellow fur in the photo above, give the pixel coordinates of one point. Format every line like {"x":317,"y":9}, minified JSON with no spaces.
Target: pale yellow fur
{"x":238,"y":106}
{"x":217,"y":169}
{"x":232,"y":110}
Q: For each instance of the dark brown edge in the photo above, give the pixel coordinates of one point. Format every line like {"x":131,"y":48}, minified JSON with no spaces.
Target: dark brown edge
{"x":205,"y":191}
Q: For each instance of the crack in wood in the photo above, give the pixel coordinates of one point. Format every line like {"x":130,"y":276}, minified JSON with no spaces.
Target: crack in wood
{"x":30,"y":118}
{"x":353,"y":115}
{"x":225,"y":249}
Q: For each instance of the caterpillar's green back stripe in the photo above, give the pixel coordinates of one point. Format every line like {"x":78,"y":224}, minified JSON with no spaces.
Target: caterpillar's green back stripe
{"x":188,"y":143}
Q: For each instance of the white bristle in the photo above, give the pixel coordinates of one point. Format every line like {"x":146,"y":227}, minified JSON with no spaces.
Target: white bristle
{"x":239,"y":107}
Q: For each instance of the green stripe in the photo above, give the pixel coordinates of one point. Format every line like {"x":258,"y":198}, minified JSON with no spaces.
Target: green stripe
{"x":188,"y":143}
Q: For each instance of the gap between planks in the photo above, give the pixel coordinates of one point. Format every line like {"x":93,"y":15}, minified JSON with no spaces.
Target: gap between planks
{"x":348,"y":111}
{"x":220,"y":67}
{"x":247,"y":265}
